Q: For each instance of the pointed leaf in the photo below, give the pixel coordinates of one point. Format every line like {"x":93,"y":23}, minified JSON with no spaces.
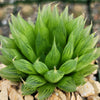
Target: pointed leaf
{"x":42,"y":38}
{"x":23,"y":44}
{"x":53,"y":76}
{"x":4,"y":60}
{"x":11,"y":73}
{"x":67,"y":84}
{"x":86,"y":59}
{"x":45,"y":91}
{"x":53,"y":57}
{"x":68,"y":50}
{"x":40,"y":67}
{"x":11,"y":54}
{"x":24,"y":66}
{"x":88,"y":70}
{"x":78,"y":78}
{"x":69,"y":66}
{"x":7,"y":42}
{"x":27,"y":90}
{"x":35,"y":81}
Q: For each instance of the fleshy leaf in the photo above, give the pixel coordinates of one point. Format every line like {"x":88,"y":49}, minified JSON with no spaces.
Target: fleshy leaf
{"x":11,"y":54}
{"x":7,"y":42}
{"x":68,"y":50}
{"x":69,"y":66}
{"x":78,"y":78}
{"x":35,"y":81}
{"x":42,"y":38}
{"x":45,"y":91}
{"x":53,"y":76}
{"x":88,"y":70}
{"x":11,"y":73}
{"x":40,"y":67}
{"x":27,"y":90}
{"x":86,"y":59}
{"x":53,"y":57}
{"x":24,"y":66}
{"x":4,"y":60}
{"x":67,"y":84}
{"x":23,"y":44}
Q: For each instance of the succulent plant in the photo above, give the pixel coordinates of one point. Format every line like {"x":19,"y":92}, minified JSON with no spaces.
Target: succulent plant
{"x":56,"y":51}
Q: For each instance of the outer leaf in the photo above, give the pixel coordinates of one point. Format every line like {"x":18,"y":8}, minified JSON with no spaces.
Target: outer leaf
{"x":7,"y":42}
{"x":11,"y":73}
{"x":75,"y":23}
{"x":23,"y":44}
{"x":4,"y":60}
{"x":35,"y":81}
{"x":27,"y":90}
{"x":78,"y":78}
{"x":11,"y":54}
{"x":27,"y":28}
{"x":45,"y":91}
{"x":86,"y":59}
{"x":24,"y":66}
{"x":88,"y":70}
{"x":40,"y":67}
{"x":68,"y":67}
{"x":64,"y":15}
{"x":67,"y":84}
{"x":53,"y":76}
{"x":53,"y":57}
{"x":84,"y":45}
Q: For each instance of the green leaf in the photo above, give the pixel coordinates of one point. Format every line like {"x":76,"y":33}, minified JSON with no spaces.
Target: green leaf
{"x":40,"y":67}
{"x":42,"y":38}
{"x":86,"y":31}
{"x":23,"y":44}
{"x":67,"y":84}
{"x":35,"y":81}
{"x":68,"y":50}
{"x":27,"y":90}
{"x":88,"y":70}
{"x":78,"y":78}
{"x":11,"y":73}
{"x":53,"y":57}
{"x":46,"y":13}
{"x":45,"y":91}
{"x":64,"y":15}
{"x":53,"y":76}
{"x":7,"y":42}
{"x":11,"y":54}
{"x":4,"y":60}
{"x":69,"y":66}
{"x":75,"y":23}
{"x":86,"y":59}
{"x":84,"y":45}
{"x":24,"y":66}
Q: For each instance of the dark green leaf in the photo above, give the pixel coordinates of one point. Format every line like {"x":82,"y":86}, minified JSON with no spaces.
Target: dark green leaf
{"x":78,"y":78}
{"x":67,"y":84}
{"x":45,"y":91}
{"x":35,"y":81}
{"x":24,"y":66}
{"x":11,"y":73}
